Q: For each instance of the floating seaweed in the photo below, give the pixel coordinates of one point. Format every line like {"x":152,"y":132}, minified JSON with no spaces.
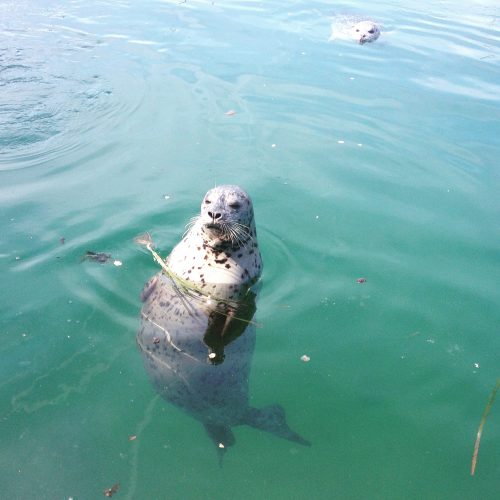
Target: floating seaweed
{"x":481,"y":425}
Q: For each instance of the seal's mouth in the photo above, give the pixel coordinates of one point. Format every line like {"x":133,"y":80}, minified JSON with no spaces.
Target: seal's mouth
{"x":226,"y":232}
{"x":214,"y":230}
{"x":213,"y":226}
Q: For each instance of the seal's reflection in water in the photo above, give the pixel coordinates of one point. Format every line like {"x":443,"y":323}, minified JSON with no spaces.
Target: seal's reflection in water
{"x":198,"y":351}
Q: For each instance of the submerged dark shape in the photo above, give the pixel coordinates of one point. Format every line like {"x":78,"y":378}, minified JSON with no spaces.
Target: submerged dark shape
{"x":198,"y":351}
{"x":99,"y":257}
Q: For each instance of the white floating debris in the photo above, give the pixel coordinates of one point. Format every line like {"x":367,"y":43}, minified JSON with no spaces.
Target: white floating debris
{"x":317,"y":216}
{"x":117,"y":263}
{"x":231,"y":112}
{"x":221,"y":445}
{"x":305,"y":358}
{"x":341,"y":142}
{"x":212,"y":355}
{"x":273,"y":145}
{"x":351,"y":78}
{"x":167,"y":197}
{"x":360,"y":145}
{"x":476,"y":365}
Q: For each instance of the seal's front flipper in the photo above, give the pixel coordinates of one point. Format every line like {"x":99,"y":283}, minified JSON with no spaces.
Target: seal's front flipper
{"x":221,"y":436}
{"x":272,"y":419}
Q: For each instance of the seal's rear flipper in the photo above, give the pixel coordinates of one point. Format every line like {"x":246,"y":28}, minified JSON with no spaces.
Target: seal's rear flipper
{"x":272,"y":419}
{"x":221,"y":436}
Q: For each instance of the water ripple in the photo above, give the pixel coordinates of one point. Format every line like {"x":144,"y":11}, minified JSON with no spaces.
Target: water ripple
{"x":57,"y":83}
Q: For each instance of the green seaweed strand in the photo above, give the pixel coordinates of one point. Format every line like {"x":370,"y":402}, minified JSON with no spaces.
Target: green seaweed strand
{"x":481,"y":425}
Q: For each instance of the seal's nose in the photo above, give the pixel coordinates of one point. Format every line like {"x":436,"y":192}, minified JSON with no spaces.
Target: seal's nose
{"x":214,"y":216}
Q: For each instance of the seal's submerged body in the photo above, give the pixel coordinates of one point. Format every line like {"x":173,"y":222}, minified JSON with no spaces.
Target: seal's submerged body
{"x":197,"y":336}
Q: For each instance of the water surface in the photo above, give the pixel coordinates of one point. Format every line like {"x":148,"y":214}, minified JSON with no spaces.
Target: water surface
{"x":377,"y":162}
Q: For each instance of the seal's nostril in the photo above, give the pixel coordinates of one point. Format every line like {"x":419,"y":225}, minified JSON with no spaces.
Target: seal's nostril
{"x":214,"y":216}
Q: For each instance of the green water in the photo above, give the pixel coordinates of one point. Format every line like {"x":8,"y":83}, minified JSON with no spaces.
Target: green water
{"x":377,"y":162}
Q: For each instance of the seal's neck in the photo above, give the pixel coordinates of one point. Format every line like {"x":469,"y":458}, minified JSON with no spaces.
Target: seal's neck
{"x":208,"y":261}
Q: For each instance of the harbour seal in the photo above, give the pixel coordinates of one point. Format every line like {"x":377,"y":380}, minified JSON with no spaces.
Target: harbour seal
{"x":344,"y":28}
{"x":197,"y":333}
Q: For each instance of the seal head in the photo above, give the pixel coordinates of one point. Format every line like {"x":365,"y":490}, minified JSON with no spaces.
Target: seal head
{"x":365,"y":31}
{"x":226,"y":217}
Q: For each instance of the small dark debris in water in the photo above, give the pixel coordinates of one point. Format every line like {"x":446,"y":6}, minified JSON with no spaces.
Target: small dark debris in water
{"x":361,"y":280}
{"x":97,"y":257}
{"x":109,"y":492}
{"x":62,"y":241}
{"x":156,"y":340}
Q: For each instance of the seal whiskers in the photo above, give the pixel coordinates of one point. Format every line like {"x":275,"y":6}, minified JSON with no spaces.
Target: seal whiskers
{"x":192,"y":221}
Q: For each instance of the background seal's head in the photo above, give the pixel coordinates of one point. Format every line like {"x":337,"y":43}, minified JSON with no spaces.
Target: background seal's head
{"x":365,"y":31}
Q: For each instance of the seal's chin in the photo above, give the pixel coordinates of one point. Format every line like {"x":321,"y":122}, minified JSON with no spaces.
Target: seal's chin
{"x":215,"y":233}
{"x":212,"y":229}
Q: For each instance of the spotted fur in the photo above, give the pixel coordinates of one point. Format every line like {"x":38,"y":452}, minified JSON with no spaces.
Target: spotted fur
{"x":221,"y":246}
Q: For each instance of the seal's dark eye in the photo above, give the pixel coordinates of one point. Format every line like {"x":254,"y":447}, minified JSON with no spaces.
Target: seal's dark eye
{"x":235,"y":205}
{"x":207,"y":201}
{"x":371,"y":31}
{"x":357,"y":31}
